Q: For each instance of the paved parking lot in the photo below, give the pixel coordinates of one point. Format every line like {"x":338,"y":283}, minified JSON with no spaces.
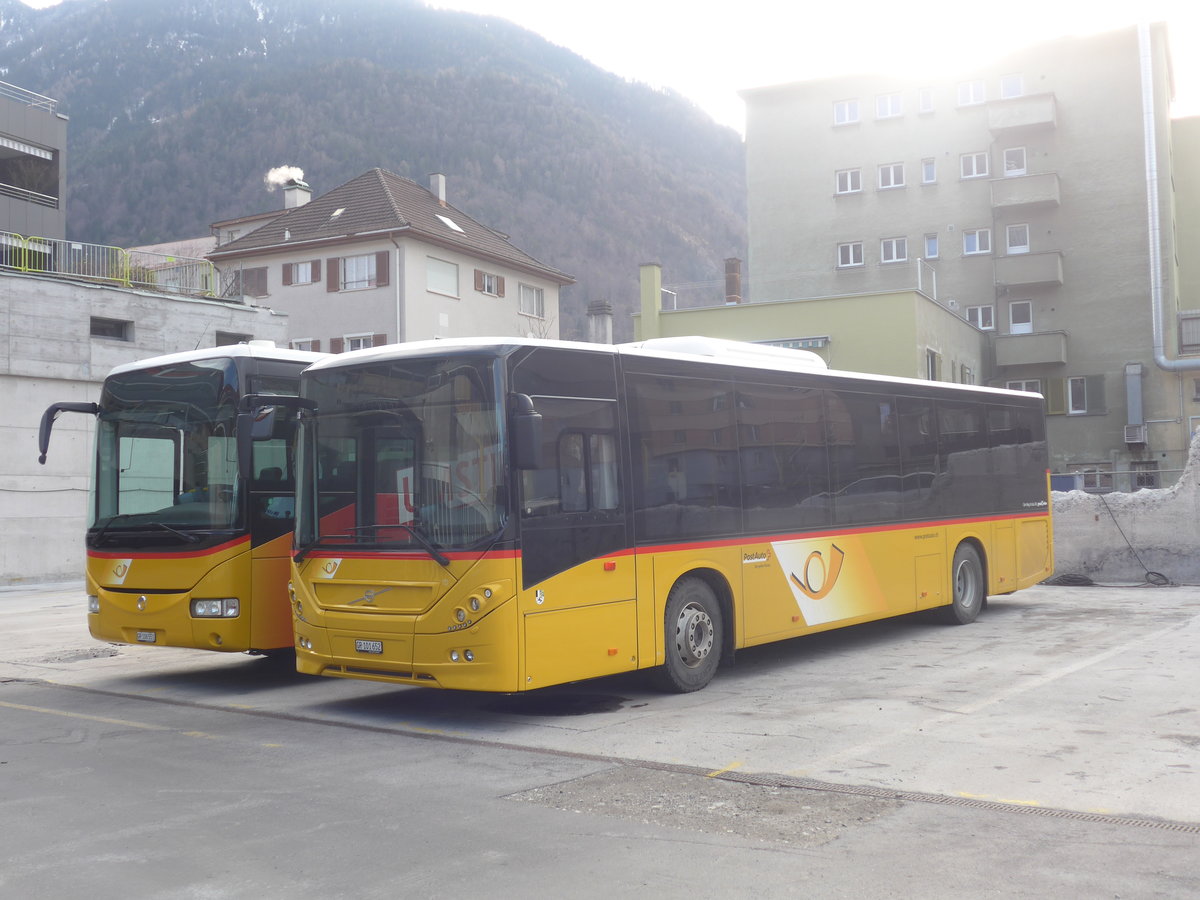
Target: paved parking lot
{"x":1070,"y":698}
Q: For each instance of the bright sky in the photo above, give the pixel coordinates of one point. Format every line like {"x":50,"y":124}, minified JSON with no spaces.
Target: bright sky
{"x":709,"y":52}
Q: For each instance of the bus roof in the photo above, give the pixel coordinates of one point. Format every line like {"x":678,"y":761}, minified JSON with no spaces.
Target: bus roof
{"x":253,"y":349}
{"x":697,"y":348}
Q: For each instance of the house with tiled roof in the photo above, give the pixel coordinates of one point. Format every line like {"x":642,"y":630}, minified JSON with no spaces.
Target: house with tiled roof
{"x":382,"y":259}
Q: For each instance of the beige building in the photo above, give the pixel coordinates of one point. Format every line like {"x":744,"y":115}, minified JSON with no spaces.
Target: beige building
{"x":381,"y":260}
{"x":1042,"y":199}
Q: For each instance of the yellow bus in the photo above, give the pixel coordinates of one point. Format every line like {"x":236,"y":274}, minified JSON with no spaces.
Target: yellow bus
{"x":190,"y":520}
{"x":504,"y":515}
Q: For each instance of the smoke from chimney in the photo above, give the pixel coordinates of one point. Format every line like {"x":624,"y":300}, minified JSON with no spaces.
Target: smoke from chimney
{"x":281,"y":175}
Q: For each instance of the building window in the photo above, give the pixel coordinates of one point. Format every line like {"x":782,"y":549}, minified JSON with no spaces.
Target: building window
{"x":487,"y":283}
{"x":357,"y":341}
{"x":928,"y":170}
{"x":933,"y":365}
{"x":845,"y":112}
{"x":974,"y":165}
{"x":251,"y":282}
{"x":229,"y":338}
{"x":971,"y":93}
{"x":1076,"y":395}
{"x":1096,"y":476}
{"x":1014,"y":161}
{"x":888,"y":106}
{"x":976,"y":241}
{"x":966,"y":375}
{"x":893,"y":250}
{"x":1011,"y":86}
{"x":925,"y":100}
{"x":113,"y":329}
{"x":1017,"y":238}
{"x":1029,"y":385}
{"x":982,"y":317}
{"x":358,"y":272}
{"x":441,"y":277}
{"x":931,"y":246}
{"x":1020,"y":317}
{"x":1145,"y":473}
{"x":311,"y":345}
{"x":850,"y":254}
{"x":533,"y":301}
{"x":308,"y":272}
{"x":891,"y":175}
{"x":849,"y":181}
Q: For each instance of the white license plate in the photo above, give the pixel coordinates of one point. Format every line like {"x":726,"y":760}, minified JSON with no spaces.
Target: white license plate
{"x":368,"y":646}
{"x":147,"y":637}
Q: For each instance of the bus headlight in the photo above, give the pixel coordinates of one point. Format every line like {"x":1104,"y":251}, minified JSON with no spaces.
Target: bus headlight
{"x":93,"y":603}
{"x":224,"y":608}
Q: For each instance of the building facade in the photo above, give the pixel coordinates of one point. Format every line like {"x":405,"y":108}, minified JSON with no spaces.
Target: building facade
{"x":382,"y":260}
{"x":33,"y":143}
{"x":1043,"y":192}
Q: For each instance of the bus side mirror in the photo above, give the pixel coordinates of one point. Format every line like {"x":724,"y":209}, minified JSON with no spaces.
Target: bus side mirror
{"x":527,"y":433}
{"x":52,"y":413}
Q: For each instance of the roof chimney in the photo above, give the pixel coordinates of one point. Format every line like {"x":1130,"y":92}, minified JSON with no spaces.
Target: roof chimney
{"x":437,"y":187}
{"x":295,"y":193}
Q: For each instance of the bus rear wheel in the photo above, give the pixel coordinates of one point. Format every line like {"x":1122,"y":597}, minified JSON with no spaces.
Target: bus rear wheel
{"x":966,"y":576}
{"x":694,"y":636}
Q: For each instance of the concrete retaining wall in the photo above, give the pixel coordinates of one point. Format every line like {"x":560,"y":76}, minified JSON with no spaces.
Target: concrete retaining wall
{"x":1161,"y":527}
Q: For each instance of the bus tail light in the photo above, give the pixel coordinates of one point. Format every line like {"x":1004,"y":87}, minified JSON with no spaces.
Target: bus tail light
{"x":224,"y":608}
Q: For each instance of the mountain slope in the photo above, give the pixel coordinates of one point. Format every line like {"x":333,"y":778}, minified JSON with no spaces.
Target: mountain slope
{"x":178,"y":110}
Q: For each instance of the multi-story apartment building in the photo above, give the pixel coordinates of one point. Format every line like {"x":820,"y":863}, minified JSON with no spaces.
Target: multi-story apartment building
{"x":1043,"y":193}
{"x":381,"y":260}
{"x":33,"y":143}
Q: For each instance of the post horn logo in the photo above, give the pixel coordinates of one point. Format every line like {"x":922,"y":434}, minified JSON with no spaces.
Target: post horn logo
{"x":818,"y":577}
{"x":120,"y":569}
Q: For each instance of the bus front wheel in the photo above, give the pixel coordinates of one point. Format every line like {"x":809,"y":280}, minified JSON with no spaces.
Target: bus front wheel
{"x":694,"y":637}
{"x":966,"y":576}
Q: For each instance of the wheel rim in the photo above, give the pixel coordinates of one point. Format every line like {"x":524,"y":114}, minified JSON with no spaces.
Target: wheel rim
{"x":966,"y":584}
{"x":693,"y":635}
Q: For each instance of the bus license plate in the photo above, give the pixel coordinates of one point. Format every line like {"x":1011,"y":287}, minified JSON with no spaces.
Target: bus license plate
{"x":147,"y":637}
{"x":368,"y":646}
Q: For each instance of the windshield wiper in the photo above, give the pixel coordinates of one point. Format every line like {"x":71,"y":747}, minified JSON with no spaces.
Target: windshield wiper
{"x":425,"y":543}
{"x":190,"y":538}
{"x":103,"y":528}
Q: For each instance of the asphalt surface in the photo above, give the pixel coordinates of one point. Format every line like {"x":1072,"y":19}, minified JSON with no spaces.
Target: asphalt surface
{"x":1052,"y":747}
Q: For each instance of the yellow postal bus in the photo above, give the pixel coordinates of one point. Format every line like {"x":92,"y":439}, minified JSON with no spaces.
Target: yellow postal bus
{"x":189,"y":520}
{"x":503,"y":515}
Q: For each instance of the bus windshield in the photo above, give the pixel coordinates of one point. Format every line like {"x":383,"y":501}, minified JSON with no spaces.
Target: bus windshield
{"x":166,"y":455}
{"x":402,"y":454}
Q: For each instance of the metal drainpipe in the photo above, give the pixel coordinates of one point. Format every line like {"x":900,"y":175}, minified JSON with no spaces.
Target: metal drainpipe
{"x":399,"y":291}
{"x":1155,"y":231}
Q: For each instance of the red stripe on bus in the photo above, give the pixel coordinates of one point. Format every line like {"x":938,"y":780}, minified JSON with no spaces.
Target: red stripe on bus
{"x":193,"y":554}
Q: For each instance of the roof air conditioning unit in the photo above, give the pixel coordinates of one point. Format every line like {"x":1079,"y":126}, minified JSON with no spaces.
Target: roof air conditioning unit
{"x":1135,"y":434}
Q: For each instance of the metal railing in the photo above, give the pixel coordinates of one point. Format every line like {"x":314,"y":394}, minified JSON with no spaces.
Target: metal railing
{"x":111,"y":265}
{"x":19,"y":193}
{"x":12,"y":92}
{"x":1109,"y":481}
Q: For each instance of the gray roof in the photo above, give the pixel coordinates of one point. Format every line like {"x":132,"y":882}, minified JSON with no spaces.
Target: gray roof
{"x":381,"y":202}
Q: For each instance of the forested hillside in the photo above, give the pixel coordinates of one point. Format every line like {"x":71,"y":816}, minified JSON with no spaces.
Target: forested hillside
{"x":178,"y":109}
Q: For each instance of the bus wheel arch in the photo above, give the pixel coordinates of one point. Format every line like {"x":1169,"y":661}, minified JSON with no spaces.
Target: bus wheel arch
{"x":968,"y":584}
{"x":697,"y":631}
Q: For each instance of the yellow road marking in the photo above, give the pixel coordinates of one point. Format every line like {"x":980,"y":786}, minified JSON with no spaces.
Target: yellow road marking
{"x":737,"y":764}
{"x":73,"y":715}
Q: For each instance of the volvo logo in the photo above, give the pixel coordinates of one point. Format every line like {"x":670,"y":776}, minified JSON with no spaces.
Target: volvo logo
{"x":369,"y":596}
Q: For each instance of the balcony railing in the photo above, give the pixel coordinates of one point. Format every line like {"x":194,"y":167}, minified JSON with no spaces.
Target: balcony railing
{"x":1029,"y":269}
{"x":12,"y":92}
{"x":1039,"y":348}
{"x":1030,"y":111}
{"x":108,"y":265}
{"x":1025,"y":191}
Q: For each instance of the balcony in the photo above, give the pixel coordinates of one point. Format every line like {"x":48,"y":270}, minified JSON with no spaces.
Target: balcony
{"x":1041,"y":348}
{"x":1029,"y":269}
{"x":1025,"y":191}
{"x":1030,"y":111}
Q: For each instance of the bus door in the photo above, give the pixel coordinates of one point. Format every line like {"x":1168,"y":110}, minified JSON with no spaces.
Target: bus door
{"x":578,"y":590}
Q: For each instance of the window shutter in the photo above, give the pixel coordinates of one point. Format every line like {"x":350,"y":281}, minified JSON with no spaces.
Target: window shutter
{"x":288,"y":268}
{"x":316,"y":270}
{"x":331,"y":279}
{"x":316,"y":346}
{"x":1056,"y":396}
{"x":479,"y":279}
{"x":1094,"y":385}
{"x":499,"y":285}
{"x":378,"y":340}
{"x":381,"y":269}
{"x":336,"y":344}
